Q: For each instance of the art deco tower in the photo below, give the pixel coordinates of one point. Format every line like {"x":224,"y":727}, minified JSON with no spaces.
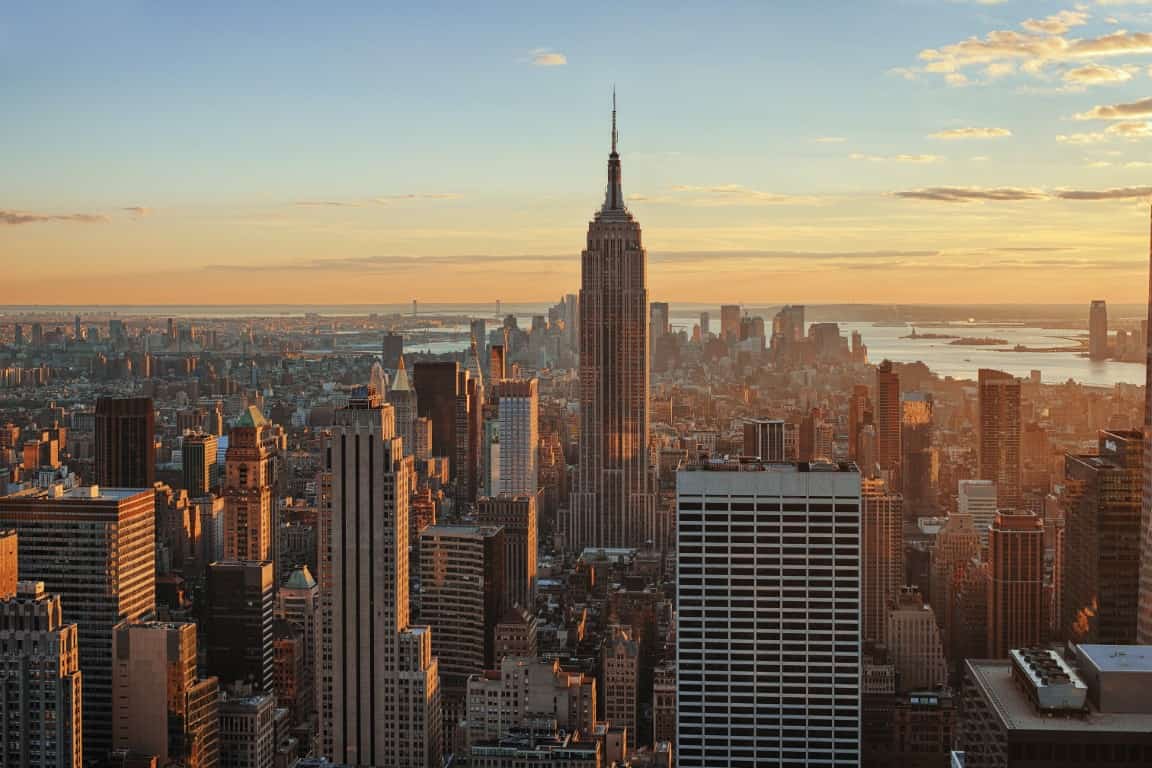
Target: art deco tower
{"x":613,"y":504}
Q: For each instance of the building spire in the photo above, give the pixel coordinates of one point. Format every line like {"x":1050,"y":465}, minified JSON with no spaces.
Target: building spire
{"x":614,"y":196}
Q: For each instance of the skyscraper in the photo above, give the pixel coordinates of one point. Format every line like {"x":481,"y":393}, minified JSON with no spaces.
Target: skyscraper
{"x":1000,"y":434}
{"x":1098,"y":330}
{"x":381,"y":670}
{"x":40,"y":682}
{"x":298,"y":602}
{"x":1101,"y":541}
{"x":1144,"y":621}
{"x":199,"y":459}
{"x":771,"y":440}
{"x":518,"y":408}
{"x":124,"y":449}
{"x":1016,"y":589}
{"x":882,"y":555}
{"x":402,"y":397}
{"x":977,"y":501}
{"x":240,"y":601}
{"x":859,"y":414}
{"x":249,"y":467}
{"x":887,"y":419}
{"x":621,"y":665}
{"x":916,"y":462}
{"x":768,"y":620}
{"x":730,"y":322}
{"x":517,"y":516}
{"x":913,"y":641}
{"x":392,"y":349}
{"x":957,"y":543}
{"x":613,"y":503}
{"x":162,"y":708}
{"x":105,"y":574}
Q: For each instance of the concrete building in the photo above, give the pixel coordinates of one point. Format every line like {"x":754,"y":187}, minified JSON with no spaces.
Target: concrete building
{"x":9,"y":564}
{"x":161,"y":707}
{"x":40,"y":682}
{"x":518,"y":407}
{"x":882,"y":555}
{"x":199,"y":461}
{"x":462,"y":595}
{"x":730,"y":322}
{"x":978,"y":503}
{"x":613,"y":503}
{"x":999,"y":451}
{"x":772,"y":440}
{"x":888,"y":422}
{"x":402,"y":398}
{"x":918,"y":470}
{"x":377,"y":669}
{"x":247,"y":729}
{"x":240,"y":608}
{"x":537,"y":747}
{"x":522,"y":689}
{"x":1100,"y":562}
{"x":621,"y":670}
{"x":249,"y":475}
{"x":768,"y":627}
{"x":298,"y":602}
{"x":517,"y":516}
{"x":664,"y":703}
{"x":105,"y":575}
{"x":515,"y":634}
{"x":1098,"y":330}
{"x":1038,"y":709}
{"x":125,"y":453}
{"x":956,"y":544}
{"x":1016,"y":582}
{"x":913,"y":642}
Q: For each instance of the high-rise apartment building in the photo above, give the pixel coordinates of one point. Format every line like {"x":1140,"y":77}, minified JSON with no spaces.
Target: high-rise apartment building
{"x":1100,"y":574}
{"x":621,"y":667}
{"x":124,"y":446}
{"x":771,"y":440}
{"x":40,"y":682}
{"x":517,"y":516}
{"x":379,"y":670}
{"x":519,"y":437}
{"x":1098,"y":330}
{"x":199,"y":460}
{"x":1016,"y":586}
{"x":240,"y":603}
{"x":913,"y":641}
{"x":978,"y":502}
{"x":613,"y":503}
{"x":999,"y":451}
{"x":161,"y":707}
{"x":249,"y":475}
{"x":461,"y":599}
{"x":768,"y":625}
{"x":96,"y":549}
{"x":888,"y":421}
{"x":882,"y":555}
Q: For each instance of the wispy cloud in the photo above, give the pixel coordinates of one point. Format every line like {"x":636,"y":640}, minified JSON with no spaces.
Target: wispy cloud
{"x":829,"y":139}
{"x":1096,"y":74}
{"x":1017,"y":194}
{"x":1126,"y":111}
{"x":381,"y":200}
{"x":13,"y":218}
{"x":971,"y":194}
{"x":728,"y":194}
{"x":896,"y":158}
{"x":952,"y":134}
{"x":138,"y":210}
{"x":543,"y":57}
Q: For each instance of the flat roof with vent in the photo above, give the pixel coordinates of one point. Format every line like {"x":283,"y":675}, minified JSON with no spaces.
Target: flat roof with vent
{"x":1048,"y":680}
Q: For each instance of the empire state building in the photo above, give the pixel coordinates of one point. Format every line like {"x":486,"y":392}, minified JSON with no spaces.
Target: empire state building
{"x":613,"y":503}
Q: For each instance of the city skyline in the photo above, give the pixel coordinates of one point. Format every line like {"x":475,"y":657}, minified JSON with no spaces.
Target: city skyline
{"x":300,"y":160}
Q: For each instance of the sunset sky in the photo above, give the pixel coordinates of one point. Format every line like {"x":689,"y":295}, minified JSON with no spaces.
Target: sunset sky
{"x":915,"y":151}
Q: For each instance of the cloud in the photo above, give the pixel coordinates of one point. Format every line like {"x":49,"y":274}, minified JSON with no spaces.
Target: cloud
{"x":382,"y":200}
{"x":1141,"y":108}
{"x":1119,"y":193}
{"x":1095,"y":74}
{"x":730,"y":194}
{"x":1131,"y":130}
{"x":970,"y":133}
{"x":1056,"y":24}
{"x":542,"y":57}
{"x":971,"y":194}
{"x":1014,"y":194}
{"x":829,"y":139}
{"x":13,"y":218}
{"x":138,"y":210}
{"x":896,"y":158}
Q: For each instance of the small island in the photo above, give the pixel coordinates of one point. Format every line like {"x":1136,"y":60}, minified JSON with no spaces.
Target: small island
{"x":915,"y":335}
{"x":973,"y":341}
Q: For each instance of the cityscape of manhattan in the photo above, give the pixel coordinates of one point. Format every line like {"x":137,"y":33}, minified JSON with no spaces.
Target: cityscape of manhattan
{"x":598,"y":386}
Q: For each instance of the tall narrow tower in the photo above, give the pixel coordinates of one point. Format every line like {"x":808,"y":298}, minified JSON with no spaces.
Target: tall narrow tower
{"x":613,"y":504}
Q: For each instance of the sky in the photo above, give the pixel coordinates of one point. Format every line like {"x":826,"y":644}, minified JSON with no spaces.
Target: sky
{"x":910,"y":151}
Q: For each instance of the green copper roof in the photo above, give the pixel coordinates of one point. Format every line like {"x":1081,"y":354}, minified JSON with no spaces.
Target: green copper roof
{"x":301,"y":578}
{"x":251,"y":418}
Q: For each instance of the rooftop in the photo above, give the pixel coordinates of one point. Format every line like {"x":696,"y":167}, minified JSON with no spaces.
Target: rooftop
{"x":1118,"y":658}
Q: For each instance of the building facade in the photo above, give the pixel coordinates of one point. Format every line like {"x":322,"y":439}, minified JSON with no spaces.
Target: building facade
{"x":999,"y":451}
{"x":124,"y":447}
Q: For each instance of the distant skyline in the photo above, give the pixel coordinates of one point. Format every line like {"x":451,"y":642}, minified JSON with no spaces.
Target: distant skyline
{"x":910,"y":152}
